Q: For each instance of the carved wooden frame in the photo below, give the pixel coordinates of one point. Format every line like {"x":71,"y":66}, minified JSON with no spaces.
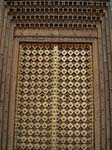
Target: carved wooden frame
{"x":13,"y":81}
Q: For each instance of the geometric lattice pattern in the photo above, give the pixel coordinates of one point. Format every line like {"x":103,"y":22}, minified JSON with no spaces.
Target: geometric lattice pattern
{"x":54,"y":102}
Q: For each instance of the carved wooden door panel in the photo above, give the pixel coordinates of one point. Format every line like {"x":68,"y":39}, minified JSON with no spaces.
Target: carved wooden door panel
{"x":54,"y":97}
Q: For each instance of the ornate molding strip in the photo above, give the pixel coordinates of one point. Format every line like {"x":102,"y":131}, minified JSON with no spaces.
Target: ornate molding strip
{"x":62,"y":14}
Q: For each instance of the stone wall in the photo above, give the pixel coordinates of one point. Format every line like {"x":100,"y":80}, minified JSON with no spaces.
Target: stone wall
{"x":111,"y":4}
{"x":89,"y":23}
